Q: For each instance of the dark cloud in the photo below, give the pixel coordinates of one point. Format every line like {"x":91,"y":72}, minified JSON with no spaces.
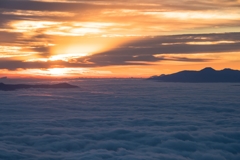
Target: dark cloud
{"x":7,"y":37}
{"x":146,"y":48}
{"x":10,"y":64}
{"x":43,"y":6}
{"x":142,"y":52}
{"x":38,"y":43}
{"x":16,"y":64}
{"x":86,"y":5}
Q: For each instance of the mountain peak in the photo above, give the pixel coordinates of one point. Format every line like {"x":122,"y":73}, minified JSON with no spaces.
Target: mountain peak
{"x":227,"y":69}
{"x":205,"y":75}
{"x":208,"y":69}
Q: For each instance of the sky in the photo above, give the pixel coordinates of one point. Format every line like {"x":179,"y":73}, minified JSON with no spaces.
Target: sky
{"x":105,"y":38}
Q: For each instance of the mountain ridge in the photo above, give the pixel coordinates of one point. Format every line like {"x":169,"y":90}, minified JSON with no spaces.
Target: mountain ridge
{"x":207,"y":74}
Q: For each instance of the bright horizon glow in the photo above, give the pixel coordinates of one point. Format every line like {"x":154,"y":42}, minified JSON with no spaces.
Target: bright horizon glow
{"x":71,"y":38}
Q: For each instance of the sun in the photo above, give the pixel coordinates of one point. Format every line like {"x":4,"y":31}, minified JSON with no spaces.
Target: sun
{"x":57,"y":71}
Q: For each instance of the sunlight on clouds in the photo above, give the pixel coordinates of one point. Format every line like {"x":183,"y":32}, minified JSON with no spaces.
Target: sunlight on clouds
{"x":85,"y":46}
{"x":58,"y":28}
{"x":6,"y":49}
{"x":30,"y":27}
{"x":62,"y":72}
{"x":79,"y":32}
{"x":24,"y":26}
{"x":201,"y":43}
{"x":67,"y":57}
{"x":196,"y":55}
{"x":68,"y":52}
{"x":63,"y":57}
{"x":211,"y":42}
{"x":121,"y":12}
{"x":212,"y":57}
{"x":79,"y":29}
{"x":37,"y":60}
{"x":38,"y":13}
{"x":14,"y":51}
{"x":56,"y":71}
{"x":69,"y":31}
{"x":196,"y":15}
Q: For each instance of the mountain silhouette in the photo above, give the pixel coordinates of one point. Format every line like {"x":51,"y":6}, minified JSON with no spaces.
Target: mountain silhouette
{"x":12,"y":87}
{"x":3,"y":78}
{"x":205,"y":75}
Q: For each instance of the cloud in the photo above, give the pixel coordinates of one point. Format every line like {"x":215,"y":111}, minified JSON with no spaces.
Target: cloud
{"x":30,"y":28}
{"x":122,"y":122}
{"x":8,"y":38}
{"x":153,"y":49}
{"x":141,"y":16}
{"x":144,"y":51}
{"x":42,"y":6}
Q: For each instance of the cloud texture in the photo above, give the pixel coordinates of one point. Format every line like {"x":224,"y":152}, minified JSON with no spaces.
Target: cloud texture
{"x":122,"y":119}
{"x":35,"y":32}
{"x":146,"y":50}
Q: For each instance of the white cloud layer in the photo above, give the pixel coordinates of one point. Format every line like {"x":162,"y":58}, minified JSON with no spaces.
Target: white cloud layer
{"x":122,"y":120}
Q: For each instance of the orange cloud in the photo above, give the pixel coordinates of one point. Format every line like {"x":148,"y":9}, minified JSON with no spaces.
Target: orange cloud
{"x":110,"y":35}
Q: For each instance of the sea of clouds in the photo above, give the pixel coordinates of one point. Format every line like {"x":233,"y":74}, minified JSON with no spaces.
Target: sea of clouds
{"x":122,"y":120}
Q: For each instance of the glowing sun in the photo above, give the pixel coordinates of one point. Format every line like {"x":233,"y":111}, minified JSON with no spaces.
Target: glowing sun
{"x":57,"y":71}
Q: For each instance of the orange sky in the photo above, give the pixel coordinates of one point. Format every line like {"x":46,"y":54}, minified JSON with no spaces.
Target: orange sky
{"x":102,"y":38}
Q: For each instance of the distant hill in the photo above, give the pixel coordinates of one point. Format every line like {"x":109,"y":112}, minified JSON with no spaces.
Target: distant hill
{"x":12,"y":87}
{"x":205,"y":75}
{"x":3,"y":78}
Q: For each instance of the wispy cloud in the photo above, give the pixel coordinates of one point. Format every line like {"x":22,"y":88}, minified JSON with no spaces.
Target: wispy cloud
{"x":33,"y":29}
{"x":146,"y":51}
